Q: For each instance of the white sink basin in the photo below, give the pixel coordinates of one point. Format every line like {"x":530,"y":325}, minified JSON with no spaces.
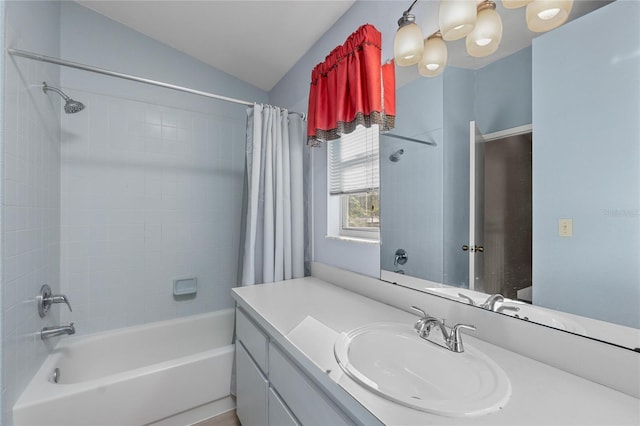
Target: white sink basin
{"x":392,"y":361}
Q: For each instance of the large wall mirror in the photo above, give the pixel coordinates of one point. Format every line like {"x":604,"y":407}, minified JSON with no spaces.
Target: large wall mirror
{"x":523,"y":179}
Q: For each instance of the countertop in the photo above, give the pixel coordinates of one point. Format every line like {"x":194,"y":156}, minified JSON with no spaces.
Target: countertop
{"x":541,"y":394}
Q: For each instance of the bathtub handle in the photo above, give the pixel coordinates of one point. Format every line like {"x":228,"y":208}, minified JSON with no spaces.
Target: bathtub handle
{"x":61,"y":298}
{"x":46,"y":298}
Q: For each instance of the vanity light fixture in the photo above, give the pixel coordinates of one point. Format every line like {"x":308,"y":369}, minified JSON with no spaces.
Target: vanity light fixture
{"x":545,"y":15}
{"x":434,"y":57}
{"x":478,"y":20}
{"x":486,"y":35}
{"x":456,"y":18}
{"x":408,"y":43}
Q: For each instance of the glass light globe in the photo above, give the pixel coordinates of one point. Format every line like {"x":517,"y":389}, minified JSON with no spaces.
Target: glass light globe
{"x":456,"y":18}
{"x":545,"y":15}
{"x":487,"y":34}
{"x":434,"y":57}
{"x":514,"y":4}
{"x":408,"y":45}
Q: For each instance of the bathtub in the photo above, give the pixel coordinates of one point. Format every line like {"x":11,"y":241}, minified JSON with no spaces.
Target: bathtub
{"x":135,"y":376}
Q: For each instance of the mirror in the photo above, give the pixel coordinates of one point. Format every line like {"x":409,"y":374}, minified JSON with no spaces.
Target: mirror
{"x":576,"y":91}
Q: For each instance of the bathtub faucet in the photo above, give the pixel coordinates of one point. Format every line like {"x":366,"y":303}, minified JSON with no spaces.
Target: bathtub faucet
{"x":58,"y":330}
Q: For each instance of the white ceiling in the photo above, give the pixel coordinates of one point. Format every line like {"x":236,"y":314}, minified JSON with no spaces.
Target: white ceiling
{"x":246,"y":38}
{"x":242,"y":38}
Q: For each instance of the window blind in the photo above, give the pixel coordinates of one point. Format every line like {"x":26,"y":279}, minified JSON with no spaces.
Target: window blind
{"x":354,"y":165}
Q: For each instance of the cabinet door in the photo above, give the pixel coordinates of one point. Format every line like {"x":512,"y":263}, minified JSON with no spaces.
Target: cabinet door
{"x":251,"y":390}
{"x":279,"y":414}
{"x":308,"y":403}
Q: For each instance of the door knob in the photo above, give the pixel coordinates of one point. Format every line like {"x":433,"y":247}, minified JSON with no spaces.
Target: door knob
{"x":479,"y":249}
{"x":465,"y":247}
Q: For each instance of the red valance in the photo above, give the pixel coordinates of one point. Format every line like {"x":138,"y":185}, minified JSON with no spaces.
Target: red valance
{"x":351,"y":87}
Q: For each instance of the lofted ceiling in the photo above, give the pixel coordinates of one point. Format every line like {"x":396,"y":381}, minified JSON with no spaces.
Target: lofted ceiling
{"x":242,"y":38}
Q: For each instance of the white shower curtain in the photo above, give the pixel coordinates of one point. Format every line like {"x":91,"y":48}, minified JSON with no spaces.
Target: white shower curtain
{"x":274,"y":209}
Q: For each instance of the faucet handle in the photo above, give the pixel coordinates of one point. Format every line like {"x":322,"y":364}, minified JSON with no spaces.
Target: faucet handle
{"x":61,"y":298}
{"x":467,"y":298}
{"x":420,"y":311}
{"x":455,"y":338}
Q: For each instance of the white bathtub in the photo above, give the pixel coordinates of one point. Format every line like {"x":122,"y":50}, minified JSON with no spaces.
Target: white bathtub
{"x":134,"y":376}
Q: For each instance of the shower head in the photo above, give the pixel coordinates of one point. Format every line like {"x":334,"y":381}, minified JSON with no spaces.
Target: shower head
{"x":395,"y":157}
{"x":70,"y":106}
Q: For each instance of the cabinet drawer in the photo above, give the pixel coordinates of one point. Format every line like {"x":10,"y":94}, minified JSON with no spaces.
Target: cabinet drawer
{"x":307,"y":403}
{"x":279,"y":414}
{"x":253,"y":339}
{"x":251,"y":390}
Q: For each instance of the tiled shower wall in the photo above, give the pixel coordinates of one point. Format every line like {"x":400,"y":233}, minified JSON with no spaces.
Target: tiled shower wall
{"x":30,"y":193}
{"x":150,"y":193}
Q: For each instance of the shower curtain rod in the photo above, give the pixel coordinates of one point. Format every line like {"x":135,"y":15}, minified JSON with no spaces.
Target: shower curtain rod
{"x":76,"y":65}
{"x":391,"y":135}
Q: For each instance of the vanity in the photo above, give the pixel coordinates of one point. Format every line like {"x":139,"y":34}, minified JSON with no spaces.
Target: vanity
{"x":287,"y":372}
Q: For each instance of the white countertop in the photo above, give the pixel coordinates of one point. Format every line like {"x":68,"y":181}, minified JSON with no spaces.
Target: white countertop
{"x":541,"y":395}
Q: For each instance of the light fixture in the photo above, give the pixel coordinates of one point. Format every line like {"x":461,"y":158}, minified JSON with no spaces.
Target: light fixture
{"x":486,"y":35}
{"x":408,"y":43}
{"x":478,"y":20}
{"x":457,"y":18}
{"x":434,"y":57}
{"x":514,"y":4}
{"x":545,"y":15}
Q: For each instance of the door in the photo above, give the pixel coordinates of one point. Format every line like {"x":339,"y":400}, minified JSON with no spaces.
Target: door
{"x":500,"y":206}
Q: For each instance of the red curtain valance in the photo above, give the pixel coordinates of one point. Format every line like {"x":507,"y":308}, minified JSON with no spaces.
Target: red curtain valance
{"x":351,"y":87}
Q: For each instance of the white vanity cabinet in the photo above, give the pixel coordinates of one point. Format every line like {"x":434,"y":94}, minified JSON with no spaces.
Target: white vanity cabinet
{"x":271,"y":389}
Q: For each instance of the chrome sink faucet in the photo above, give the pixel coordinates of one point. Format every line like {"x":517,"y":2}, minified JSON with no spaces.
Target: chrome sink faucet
{"x":58,"y":330}
{"x":453,"y":340}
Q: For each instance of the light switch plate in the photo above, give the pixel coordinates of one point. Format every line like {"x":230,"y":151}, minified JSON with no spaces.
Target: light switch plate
{"x":565,"y":227}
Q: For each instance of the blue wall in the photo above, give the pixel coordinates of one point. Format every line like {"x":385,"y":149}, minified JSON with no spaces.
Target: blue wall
{"x":30,"y":191}
{"x":411,"y":189}
{"x":586,"y":165}
{"x":503,"y":93}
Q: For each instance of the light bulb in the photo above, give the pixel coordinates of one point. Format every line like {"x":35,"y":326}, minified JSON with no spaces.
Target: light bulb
{"x":408,"y":43}
{"x":487,"y":34}
{"x":549,"y":13}
{"x":514,"y":4}
{"x":457,"y":18}
{"x":434,"y":57}
{"x":545,"y":15}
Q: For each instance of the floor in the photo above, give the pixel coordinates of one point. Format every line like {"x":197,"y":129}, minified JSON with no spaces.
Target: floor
{"x":227,"y":419}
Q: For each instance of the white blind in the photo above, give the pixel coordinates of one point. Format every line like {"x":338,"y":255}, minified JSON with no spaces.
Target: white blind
{"x":354,"y":164}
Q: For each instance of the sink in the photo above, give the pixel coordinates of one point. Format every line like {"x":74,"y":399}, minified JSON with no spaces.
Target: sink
{"x":391,"y":360}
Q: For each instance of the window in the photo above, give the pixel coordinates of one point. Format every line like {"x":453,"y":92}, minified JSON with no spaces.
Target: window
{"x":354,"y":209}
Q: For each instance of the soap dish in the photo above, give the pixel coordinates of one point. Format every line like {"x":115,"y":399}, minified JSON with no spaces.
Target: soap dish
{"x":185,"y":286}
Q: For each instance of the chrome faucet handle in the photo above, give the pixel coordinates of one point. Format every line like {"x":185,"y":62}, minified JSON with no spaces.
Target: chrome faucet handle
{"x":60,"y":298}
{"x":455,"y":338}
{"x":467,"y":298}
{"x":420,"y":311}
{"x":46,"y":298}
{"x":503,"y":308}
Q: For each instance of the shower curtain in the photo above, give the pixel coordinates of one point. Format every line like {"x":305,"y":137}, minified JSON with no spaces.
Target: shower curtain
{"x":274,"y":229}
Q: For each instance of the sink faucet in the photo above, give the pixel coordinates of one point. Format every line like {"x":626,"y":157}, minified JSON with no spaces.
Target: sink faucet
{"x":58,"y":330}
{"x":453,"y":340}
{"x":490,"y":303}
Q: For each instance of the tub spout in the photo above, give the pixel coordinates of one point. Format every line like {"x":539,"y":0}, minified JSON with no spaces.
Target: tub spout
{"x":58,"y":330}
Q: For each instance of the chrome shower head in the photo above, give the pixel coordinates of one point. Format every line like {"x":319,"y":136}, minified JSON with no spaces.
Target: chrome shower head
{"x":70,"y":106}
{"x":395,"y":157}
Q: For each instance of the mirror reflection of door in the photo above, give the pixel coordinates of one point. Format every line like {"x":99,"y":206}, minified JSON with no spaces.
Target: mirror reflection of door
{"x":501,"y":244}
